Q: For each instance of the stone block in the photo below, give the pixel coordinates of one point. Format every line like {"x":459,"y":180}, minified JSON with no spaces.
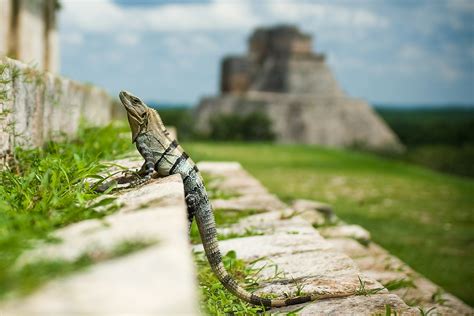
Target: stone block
{"x":353,"y":305}
{"x":233,"y":179}
{"x":288,"y":262}
{"x":270,"y":223}
{"x":157,"y":280}
{"x":346,"y":231}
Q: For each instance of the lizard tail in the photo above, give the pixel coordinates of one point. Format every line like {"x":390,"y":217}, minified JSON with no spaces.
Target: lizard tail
{"x":207,"y":229}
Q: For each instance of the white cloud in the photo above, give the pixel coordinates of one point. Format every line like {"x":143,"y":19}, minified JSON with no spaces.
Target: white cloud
{"x":411,"y":52}
{"x":447,"y":71}
{"x":414,"y":59}
{"x":127,"y":39}
{"x":463,"y":6}
{"x":326,"y":14}
{"x":72,"y":38}
{"x":98,"y":16}
{"x":106,"y":16}
{"x":190,"y":45}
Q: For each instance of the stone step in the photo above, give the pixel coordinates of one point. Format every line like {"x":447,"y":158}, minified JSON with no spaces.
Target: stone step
{"x":317,"y":257}
{"x":156,"y":280}
{"x":377,"y":263}
{"x":291,"y":256}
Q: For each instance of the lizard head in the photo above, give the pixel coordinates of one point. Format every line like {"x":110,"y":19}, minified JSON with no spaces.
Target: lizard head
{"x":140,"y":117}
{"x":137,"y":112}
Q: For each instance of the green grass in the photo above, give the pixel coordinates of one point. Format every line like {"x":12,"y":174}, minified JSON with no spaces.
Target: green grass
{"x":423,"y":217}
{"x":216,"y":300}
{"x":45,"y":190}
{"x":438,"y":138}
{"x":225,"y":218}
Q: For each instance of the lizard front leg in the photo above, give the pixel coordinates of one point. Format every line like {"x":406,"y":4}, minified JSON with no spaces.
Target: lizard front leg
{"x":148,"y":167}
{"x":191,"y":202}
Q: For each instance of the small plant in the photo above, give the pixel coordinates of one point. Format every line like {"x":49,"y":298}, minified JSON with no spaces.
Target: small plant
{"x":427,"y":312}
{"x":393,"y":285}
{"x":362,"y":290}
{"x":299,"y":287}
{"x":249,"y":231}
{"x":437,"y":297}
{"x":328,"y":223}
{"x":289,"y":215}
{"x":389,"y":311}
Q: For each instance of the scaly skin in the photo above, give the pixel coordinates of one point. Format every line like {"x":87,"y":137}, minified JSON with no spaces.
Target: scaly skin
{"x":165,"y":155}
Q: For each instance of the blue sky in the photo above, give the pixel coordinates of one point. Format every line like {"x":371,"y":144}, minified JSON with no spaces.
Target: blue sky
{"x":397,"y":52}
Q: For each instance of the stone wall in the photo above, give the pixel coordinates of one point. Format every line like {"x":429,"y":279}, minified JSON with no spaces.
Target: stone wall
{"x":234,"y":74}
{"x":283,"y":40}
{"x":37,"y":106}
{"x":28,"y":32}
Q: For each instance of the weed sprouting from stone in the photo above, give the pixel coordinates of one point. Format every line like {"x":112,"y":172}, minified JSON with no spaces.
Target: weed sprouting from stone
{"x":362,"y":290}
{"x":299,"y":287}
{"x":389,"y":311}
{"x":437,"y":297}
{"x":427,"y":312}
{"x":247,"y":233}
{"x":393,"y":285}
{"x":289,"y":215}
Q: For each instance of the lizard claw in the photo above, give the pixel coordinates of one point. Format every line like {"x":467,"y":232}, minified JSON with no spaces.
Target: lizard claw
{"x":139,"y":182}
{"x":191,"y":200}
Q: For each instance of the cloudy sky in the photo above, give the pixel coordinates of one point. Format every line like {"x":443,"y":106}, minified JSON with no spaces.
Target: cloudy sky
{"x":396,"y":52}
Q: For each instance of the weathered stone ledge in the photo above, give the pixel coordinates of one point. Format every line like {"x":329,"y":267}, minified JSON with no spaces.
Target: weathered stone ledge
{"x":156,"y":280}
{"x":37,"y":106}
{"x":293,"y":256}
{"x":335,"y":259}
{"x":338,"y":262}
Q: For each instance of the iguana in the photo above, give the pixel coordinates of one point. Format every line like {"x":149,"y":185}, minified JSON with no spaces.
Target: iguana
{"x":164,"y":155}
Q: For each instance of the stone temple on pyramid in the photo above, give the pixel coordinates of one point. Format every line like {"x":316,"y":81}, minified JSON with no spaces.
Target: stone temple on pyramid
{"x":282,"y":77}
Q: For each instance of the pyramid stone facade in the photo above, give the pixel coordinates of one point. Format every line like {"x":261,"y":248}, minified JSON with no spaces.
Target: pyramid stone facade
{"x":282,"y":77}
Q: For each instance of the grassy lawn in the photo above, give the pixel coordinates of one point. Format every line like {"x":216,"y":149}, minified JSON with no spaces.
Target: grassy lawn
{"x":423,"y":217}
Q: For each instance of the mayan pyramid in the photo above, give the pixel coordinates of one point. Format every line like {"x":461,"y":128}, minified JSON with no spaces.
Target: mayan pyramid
{"x":281,"y":76}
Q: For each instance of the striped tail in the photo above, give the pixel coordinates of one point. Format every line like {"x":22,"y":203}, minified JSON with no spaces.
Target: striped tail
{"x":207,"y":229}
